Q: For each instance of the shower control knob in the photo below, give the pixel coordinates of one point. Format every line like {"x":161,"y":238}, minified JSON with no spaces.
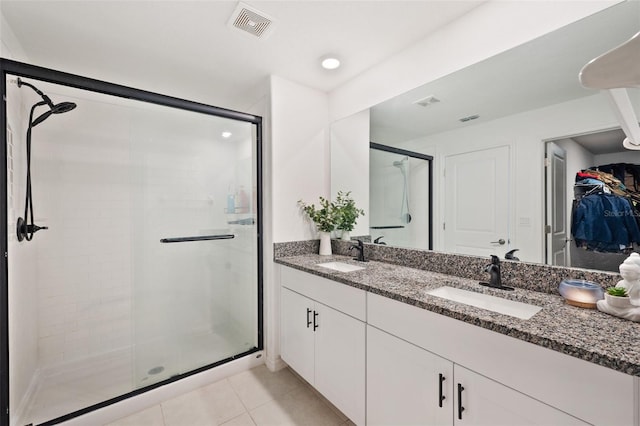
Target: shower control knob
{"x":25,"y":231}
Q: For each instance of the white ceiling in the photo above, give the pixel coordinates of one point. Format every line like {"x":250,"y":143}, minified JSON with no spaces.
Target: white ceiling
{"x":539,"y":73}
{"x":186,"y":49}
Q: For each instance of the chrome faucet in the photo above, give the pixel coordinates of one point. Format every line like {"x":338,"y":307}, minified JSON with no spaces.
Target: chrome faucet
{"x":360,"y":248}
{"x":495,"y":280}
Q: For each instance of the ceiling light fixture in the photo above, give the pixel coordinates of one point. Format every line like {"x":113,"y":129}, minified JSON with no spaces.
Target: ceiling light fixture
{"x":330,"y":62}
{"x":226,"y":134}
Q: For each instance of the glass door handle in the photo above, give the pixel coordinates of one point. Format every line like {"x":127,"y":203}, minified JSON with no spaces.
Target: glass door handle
{"x":198,"y":238}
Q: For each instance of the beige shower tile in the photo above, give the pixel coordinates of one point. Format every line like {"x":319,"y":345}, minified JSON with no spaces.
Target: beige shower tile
{"x":299,"y":407}
{"x":211,"y":405}
{"x":259,"y":385}
{"x":149,"y":417}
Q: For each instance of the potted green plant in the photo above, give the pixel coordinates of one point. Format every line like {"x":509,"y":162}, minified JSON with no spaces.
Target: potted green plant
{"x":348,"y":213}
{"x":325,"y":217}
{"x":617,"y":297}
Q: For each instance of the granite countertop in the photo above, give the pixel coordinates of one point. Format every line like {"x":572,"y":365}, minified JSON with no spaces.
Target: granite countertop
{"x":587,"y":334}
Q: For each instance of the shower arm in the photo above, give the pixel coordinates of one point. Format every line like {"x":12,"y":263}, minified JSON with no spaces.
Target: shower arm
{"x":44,"y":97}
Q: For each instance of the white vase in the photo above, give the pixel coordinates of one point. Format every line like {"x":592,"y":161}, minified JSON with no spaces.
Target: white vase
{"x":618,"y":301}
{"x":325,"y":243}
{"x":345,"y":236}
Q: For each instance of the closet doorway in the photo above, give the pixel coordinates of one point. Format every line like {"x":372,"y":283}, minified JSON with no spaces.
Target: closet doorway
{"x":613,"y":169}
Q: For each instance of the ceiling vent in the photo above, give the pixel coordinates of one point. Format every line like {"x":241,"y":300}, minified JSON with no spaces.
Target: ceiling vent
{"x":252,"y":21}
{"x":469,"y":118}
{"x":425,"y":102}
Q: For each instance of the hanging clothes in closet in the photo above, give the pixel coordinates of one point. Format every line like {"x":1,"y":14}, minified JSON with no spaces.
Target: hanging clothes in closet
{"x":605,"y":216}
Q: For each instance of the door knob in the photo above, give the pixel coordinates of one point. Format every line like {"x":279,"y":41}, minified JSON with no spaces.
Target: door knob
{"x":501,"y":241}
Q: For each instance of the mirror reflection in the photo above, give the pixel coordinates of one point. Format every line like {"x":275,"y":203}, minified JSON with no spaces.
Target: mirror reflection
{"x":400,"y":183}
{"x":487,"y":128}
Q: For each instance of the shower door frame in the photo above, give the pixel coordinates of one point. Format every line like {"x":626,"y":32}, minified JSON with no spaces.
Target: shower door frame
{"x":412,"y":154}
{"x":20,"y":69}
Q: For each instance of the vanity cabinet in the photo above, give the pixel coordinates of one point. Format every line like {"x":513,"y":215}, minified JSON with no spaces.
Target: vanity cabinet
{"x":407,"y":385}
{"x":506,"y":381}
{"x":322,"y":338}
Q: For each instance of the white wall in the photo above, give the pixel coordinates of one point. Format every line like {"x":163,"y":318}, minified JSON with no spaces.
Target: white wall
{"x":300,"y":156}
{"x":487,"y":30}
{"x":297,"y":164}
{"x":626,"y":156}
{"x":10,"y":47}
{"x":350,"y":163}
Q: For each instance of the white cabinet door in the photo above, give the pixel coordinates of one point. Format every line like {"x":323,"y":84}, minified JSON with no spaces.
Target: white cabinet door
{"x":482,"y":401}
{"x":297,"y":337}
{"x":404,"y":384}
{"x":340,"y":361}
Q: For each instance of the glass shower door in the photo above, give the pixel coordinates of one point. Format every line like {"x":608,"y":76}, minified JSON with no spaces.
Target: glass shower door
{"x":400,"y":198}
{"x":194,"y":241}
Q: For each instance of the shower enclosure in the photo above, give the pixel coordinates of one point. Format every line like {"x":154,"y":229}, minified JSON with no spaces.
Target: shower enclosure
{"x":401,"y":188}
{"x":147,"y":268}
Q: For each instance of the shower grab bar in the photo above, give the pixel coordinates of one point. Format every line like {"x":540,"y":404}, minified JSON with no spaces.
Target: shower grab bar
{"x":198,"y":238}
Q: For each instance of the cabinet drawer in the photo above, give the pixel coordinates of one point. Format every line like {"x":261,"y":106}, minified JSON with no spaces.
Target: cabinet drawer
{"x":349,"y":300}
{"x":596,"y":394}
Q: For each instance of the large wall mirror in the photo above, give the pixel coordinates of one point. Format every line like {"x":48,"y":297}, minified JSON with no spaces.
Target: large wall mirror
{"x":506,"y":137}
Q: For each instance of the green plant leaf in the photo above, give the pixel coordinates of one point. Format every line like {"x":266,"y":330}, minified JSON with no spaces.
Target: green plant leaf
{"x":617,"y":291}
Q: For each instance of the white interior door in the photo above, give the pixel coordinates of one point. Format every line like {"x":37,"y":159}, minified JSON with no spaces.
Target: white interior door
{"x":476,"y":218}
{"x":556,"y":217}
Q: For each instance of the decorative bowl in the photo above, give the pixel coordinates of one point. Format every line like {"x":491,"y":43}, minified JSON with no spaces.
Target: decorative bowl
{"x":581,"y":293}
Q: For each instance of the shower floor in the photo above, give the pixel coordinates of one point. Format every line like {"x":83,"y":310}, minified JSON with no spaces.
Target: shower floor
{"x":89,"y":381}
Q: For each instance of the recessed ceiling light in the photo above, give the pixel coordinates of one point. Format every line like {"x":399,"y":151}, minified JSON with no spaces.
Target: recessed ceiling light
{"x":330,"y":62}
{"x":226,"y":134}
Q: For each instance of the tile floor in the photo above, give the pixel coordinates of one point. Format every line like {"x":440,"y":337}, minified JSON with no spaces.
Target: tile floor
{"x":255,"y":397}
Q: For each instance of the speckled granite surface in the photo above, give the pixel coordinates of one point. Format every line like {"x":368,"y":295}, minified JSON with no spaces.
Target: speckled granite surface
{"x":583,"y":333}
{"x":530,"y":276}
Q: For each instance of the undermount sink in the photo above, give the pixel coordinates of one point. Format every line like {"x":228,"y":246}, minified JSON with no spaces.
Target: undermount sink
{"x":341,"y":267}
{"x":484,"y":301}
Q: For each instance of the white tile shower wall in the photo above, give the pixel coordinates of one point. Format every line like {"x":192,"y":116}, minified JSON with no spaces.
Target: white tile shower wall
{"x":81,"y":191}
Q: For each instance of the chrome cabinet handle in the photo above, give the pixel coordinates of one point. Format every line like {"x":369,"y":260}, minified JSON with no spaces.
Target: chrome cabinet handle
{"x":501,"y":241}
